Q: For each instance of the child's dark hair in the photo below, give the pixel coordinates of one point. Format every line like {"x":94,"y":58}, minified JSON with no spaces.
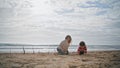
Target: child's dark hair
{"x":68,"y":36}
{"x":82,"y":43}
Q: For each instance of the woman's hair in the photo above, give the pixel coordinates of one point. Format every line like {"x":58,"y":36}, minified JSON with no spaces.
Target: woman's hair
{"x":68,"y":36}
{"x":82,"y":43}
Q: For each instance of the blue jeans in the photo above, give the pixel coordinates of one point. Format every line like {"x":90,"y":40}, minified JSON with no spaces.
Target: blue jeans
{"x":60,"y":52}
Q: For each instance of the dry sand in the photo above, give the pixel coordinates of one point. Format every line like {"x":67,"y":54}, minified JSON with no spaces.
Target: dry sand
{"x":95,"y":59}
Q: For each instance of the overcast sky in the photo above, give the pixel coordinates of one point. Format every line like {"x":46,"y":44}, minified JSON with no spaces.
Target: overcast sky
{"x":49,"y":21}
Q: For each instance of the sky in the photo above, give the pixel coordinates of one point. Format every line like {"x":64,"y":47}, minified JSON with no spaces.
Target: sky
{"x":97,"y":22}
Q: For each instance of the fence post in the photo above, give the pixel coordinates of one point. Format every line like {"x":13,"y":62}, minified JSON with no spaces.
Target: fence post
{"x":33,"y":50}
{"x":10,"y":50}
{"x":23,"y":50}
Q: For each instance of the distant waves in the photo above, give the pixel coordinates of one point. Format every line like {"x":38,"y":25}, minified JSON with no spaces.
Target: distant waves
{"x":21,"y":48}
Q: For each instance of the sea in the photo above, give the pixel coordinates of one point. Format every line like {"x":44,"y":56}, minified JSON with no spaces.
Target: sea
{"x":28,"y":48}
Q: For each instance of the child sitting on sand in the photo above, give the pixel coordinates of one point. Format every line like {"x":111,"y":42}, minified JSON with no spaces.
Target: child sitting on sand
{"x":64,"y":45}
{"x":82,"y":48}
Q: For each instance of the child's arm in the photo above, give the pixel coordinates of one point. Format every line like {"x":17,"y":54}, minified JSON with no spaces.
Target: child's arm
{"x":78,"y":50}
{"x":85,"y":49}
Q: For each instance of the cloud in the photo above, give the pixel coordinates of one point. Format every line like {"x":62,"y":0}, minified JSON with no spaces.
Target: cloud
{"x":97,"y":4}
{"x":101,"y":13}
{"x":94,"y":16}
{"x":87,"y":8}
{"x":50,"y":20}
{"x":63,"y":11}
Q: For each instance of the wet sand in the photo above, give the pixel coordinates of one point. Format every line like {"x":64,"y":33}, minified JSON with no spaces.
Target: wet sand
{"x":93,"y":59}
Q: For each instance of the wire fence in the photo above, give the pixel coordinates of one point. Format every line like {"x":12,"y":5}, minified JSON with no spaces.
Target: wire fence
{"x":27,"y":48}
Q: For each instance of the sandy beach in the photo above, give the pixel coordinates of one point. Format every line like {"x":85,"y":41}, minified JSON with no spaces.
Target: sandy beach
{"x":93,"y":59}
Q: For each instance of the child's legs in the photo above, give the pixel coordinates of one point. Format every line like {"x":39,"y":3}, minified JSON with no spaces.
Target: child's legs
{"x":60,"y":51}
{"x":67,"y":52}
{"x":81,"y":53}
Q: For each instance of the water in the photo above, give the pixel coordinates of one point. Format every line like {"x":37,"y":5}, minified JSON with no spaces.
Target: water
{"x":18,"y":48}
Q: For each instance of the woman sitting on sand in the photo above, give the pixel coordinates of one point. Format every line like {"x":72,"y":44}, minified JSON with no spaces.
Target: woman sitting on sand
{"x":63,"y":47}
{"x":82,"y":48}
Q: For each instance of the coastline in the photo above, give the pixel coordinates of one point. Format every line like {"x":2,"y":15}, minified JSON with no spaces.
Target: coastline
{"x":93,"y":59}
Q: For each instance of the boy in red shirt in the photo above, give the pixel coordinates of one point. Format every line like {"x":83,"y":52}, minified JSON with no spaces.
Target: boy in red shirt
{"x":82,"y":48}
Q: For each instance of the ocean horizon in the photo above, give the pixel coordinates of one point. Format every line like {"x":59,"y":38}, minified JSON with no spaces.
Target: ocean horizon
{"x":31,"y":48}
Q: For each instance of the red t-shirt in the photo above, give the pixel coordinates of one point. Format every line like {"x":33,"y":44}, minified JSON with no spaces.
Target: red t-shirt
{"x":82,"y":48}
